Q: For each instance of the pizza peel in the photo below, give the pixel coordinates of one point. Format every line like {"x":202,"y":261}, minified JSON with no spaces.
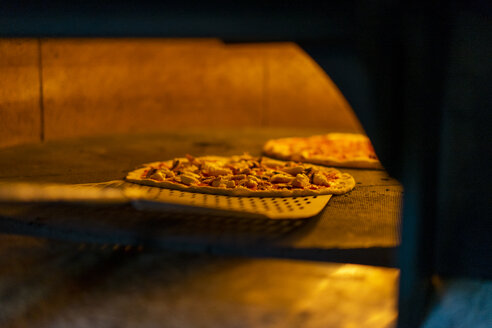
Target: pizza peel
{"x":158,"y":199}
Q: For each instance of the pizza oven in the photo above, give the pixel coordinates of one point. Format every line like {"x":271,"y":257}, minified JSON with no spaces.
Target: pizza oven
{"x":89,"y":92}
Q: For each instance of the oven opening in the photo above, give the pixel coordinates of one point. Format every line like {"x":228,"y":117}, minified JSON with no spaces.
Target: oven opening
{"x":92,"y":110}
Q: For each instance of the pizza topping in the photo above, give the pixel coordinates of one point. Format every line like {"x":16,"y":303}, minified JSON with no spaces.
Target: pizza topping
{"x":217,"y":182}
{"x":295,"y":170}
{"x":188,"y":178}
{"x":244,"y":173}
{"x":251,"y":184}
{"x":193,"y":168}
{"x":148,"y":173}
{"x":214,"y":169}
{"x":168,"y":173}
{"x":281,"y":178}
{"x":157,"y":175}
{"x":246,"y":170}
{"x":176,"y":164}
{"x":320,"y":179}
{"x":272,"y":164}
{"x":301,"y":180}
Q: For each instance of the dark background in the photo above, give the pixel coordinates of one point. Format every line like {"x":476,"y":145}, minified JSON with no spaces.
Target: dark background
{"x":418,"y":77}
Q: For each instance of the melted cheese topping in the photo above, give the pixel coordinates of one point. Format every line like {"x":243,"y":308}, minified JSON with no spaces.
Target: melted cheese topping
{"x":254,"y":173}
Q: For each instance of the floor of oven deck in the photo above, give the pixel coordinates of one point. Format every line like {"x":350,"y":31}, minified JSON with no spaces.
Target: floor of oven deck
{"x":361,"y":226}
{"x":45,"y":283}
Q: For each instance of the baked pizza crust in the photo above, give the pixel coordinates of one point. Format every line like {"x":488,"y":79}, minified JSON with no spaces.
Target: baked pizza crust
{"x":280,"y":148}
{"x":344,"y":183}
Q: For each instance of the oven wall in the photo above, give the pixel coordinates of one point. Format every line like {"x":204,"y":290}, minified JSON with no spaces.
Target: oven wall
{"x":103,"y":86}
{"x":20,"y":119}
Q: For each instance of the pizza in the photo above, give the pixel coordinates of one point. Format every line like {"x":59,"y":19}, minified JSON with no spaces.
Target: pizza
{"x":333,"y":149}
{"x":243,"y":175}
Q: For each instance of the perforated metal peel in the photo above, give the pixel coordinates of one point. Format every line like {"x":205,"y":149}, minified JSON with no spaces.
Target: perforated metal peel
{"x":153,"y":198}
{"x":270,"y":207}
{"x":145,"y":197}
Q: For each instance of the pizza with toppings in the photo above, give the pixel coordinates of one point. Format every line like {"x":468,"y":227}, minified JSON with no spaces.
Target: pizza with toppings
{"x":333,"y":149}
{"x":243,"y":175}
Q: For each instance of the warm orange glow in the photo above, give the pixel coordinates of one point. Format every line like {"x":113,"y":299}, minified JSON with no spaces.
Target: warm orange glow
{"x":332,"y":294}
{"x":106,"y":86}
